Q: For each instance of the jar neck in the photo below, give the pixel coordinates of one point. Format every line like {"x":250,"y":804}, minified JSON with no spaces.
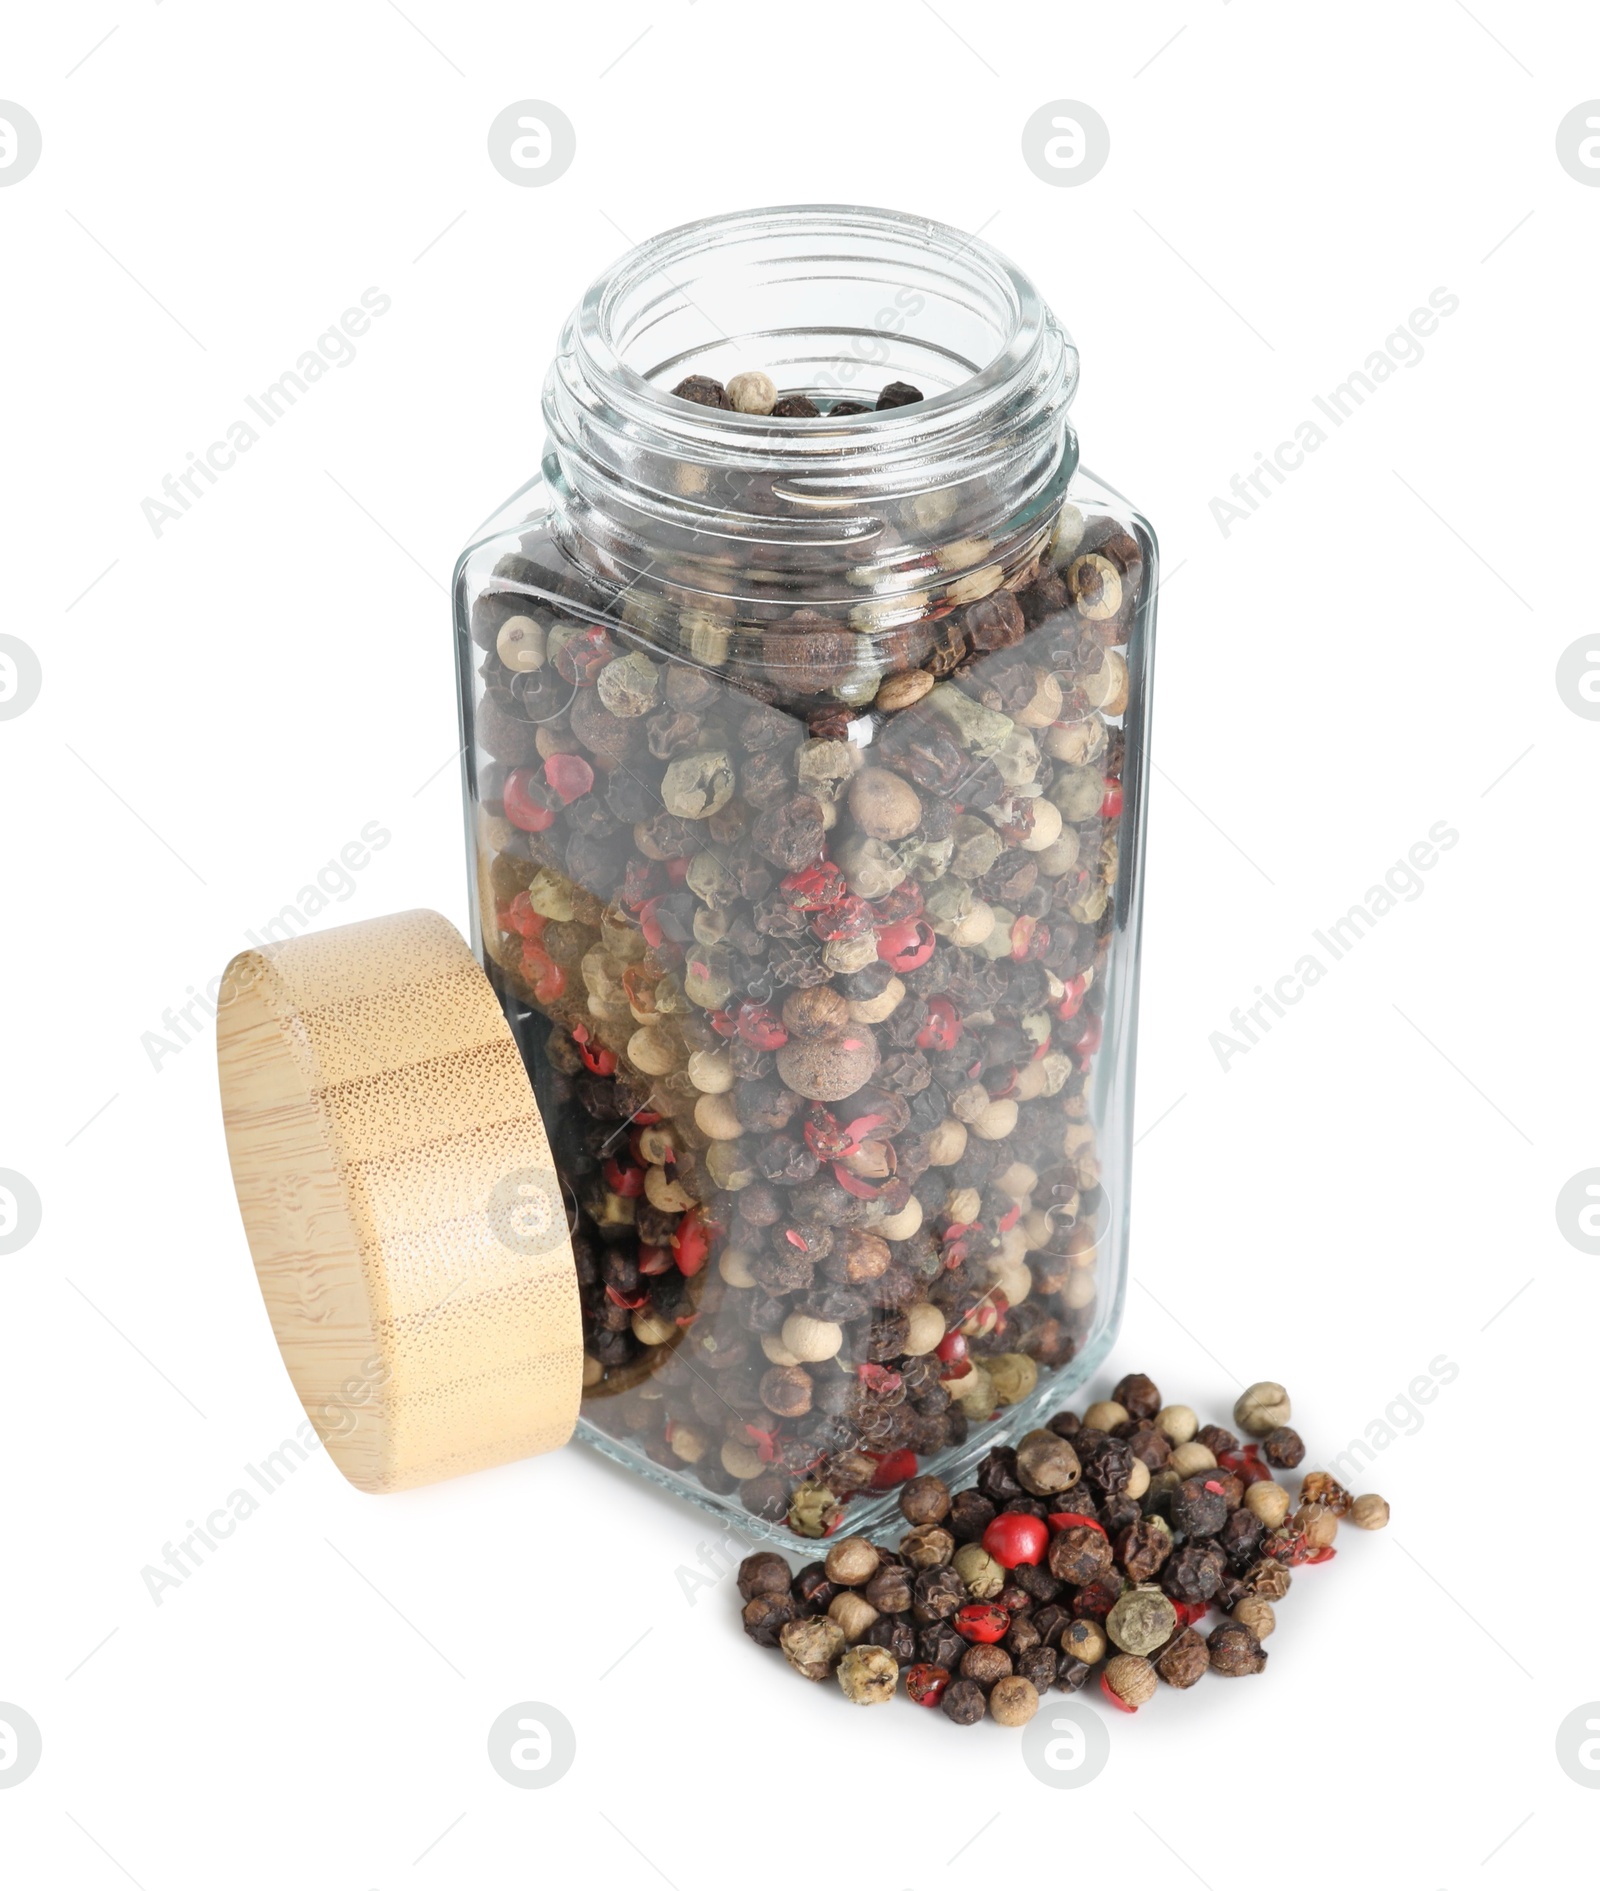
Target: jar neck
{"x":742,"y":517}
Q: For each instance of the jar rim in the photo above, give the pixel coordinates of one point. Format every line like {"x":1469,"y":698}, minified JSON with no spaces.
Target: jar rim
{"x":1028,"y":327}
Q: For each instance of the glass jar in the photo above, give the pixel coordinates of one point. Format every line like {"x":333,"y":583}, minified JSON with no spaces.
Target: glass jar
{"x":806,"y":754}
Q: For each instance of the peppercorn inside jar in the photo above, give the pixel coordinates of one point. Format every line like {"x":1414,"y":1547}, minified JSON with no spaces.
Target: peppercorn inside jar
{"x":805,"y":698}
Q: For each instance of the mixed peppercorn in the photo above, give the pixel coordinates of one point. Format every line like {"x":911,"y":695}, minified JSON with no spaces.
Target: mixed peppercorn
{"x":803,"y":914}
{"x":1085,"y":1546}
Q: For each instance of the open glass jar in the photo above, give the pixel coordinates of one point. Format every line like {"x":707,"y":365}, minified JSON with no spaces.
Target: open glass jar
{"x":806,"y":754}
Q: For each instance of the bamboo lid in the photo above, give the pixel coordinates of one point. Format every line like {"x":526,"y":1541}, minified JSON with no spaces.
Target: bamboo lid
{"x":400,"y":1201}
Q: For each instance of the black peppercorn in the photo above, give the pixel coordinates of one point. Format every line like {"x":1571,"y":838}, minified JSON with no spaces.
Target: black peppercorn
{"x":1095,"y":1601}
{"x":1071,"y":1675}
{"x":1184,"y":1659}
{"x":1216,"y":1440}
{"x":1107,"y":1462}
{"x":896,"y":394}
{"x":1230,"y":1592}
{"x":1036,"y":1582}
{"x":937,"y":1594}
{"x":963,"y":1702}
{"x":766,"y":1614}
{"x":1138,"y":1394}
{"x":889,"y":1591}
{"x":1199,"y":1506}
{"x":1079,"y":1554}
{"x":812,"y":1589}
{"x":1118,"y":1513}
{"x":985,"y":1663}
{"x":1039,"y":1666}
{"x":1023,"y":1633}
{"x":898,"y":1636}
{"x":1142,"y":1548}
{"x":703,"y":390}
{"x":1234,"y":1650}
{"x":971,"y":1513}
{"x":1151,"y":1447}
{"x":1240,"y":1539}
{"x":764,"y":1573}
{"x":766,"y":1497}
{"x":1282,"y":1447}
{"x":1192,"y":1573}
{"x":940,"y":1645}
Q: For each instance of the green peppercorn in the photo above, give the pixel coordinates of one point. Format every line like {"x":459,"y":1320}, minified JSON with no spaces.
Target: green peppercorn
{"x":1141,"y":1620}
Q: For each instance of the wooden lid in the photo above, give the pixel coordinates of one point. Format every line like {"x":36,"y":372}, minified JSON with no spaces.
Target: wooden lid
{"x":400,"y":1201}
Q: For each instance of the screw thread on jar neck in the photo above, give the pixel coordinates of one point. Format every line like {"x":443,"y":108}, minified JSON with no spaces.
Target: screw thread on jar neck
{"x":882,"y":516}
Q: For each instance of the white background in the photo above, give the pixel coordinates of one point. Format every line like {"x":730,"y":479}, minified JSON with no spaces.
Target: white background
{"x":1374,"y":651}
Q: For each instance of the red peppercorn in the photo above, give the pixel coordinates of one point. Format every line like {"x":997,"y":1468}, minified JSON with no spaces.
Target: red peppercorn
{"x":981,"y":1622}
{"x":813,"y":888}
{"x":524,"y":800}
{"x":654,"y":1260}
{"x":595,"y":1056}
{"x":1015,"y":1537}
{"x":691,"y":1241}
{"x":581,"y":659}
{"x":894,"y":1469}
{"x":756,"y":1025}
{"x":926,"y":1683}
{"x":942,"y":1028}
{"x":907,"y":945}
{"x":1111,"y":806}
{"x":905,"y":902}
{"x":519,"y":916}
{"x":1073,"y":998}
{"x":847,"y":918}
{"x":1068,"y":1519}
{"x":1323,"y":1554}
{"x":1116,"y":1700}
{"x":1089,"y":1043}
{"x":626,"y":1180}
{"x":548,"y":979}
{"x":952,"y":1351}
{"x":1030,"y":938}
{"x":569,"y":775}
{"x":854,"y":1185}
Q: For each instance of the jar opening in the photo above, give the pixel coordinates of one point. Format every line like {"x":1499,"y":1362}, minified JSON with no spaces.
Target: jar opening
{"x":832,"y":302}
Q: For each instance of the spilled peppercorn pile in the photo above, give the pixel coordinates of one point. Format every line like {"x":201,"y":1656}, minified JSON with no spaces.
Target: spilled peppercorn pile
{"x":1100,"y":1540}
{"x":802,"y":879}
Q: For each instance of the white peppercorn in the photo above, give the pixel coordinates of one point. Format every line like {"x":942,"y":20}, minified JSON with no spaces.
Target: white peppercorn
{"x":853,"y":1613}
{"x":1262,"y":1408}
{"x":1177,"y":1424}
{"x":812,"y":1340}
{"x":852,"y":1561}
{"x":1268,"y":1501}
